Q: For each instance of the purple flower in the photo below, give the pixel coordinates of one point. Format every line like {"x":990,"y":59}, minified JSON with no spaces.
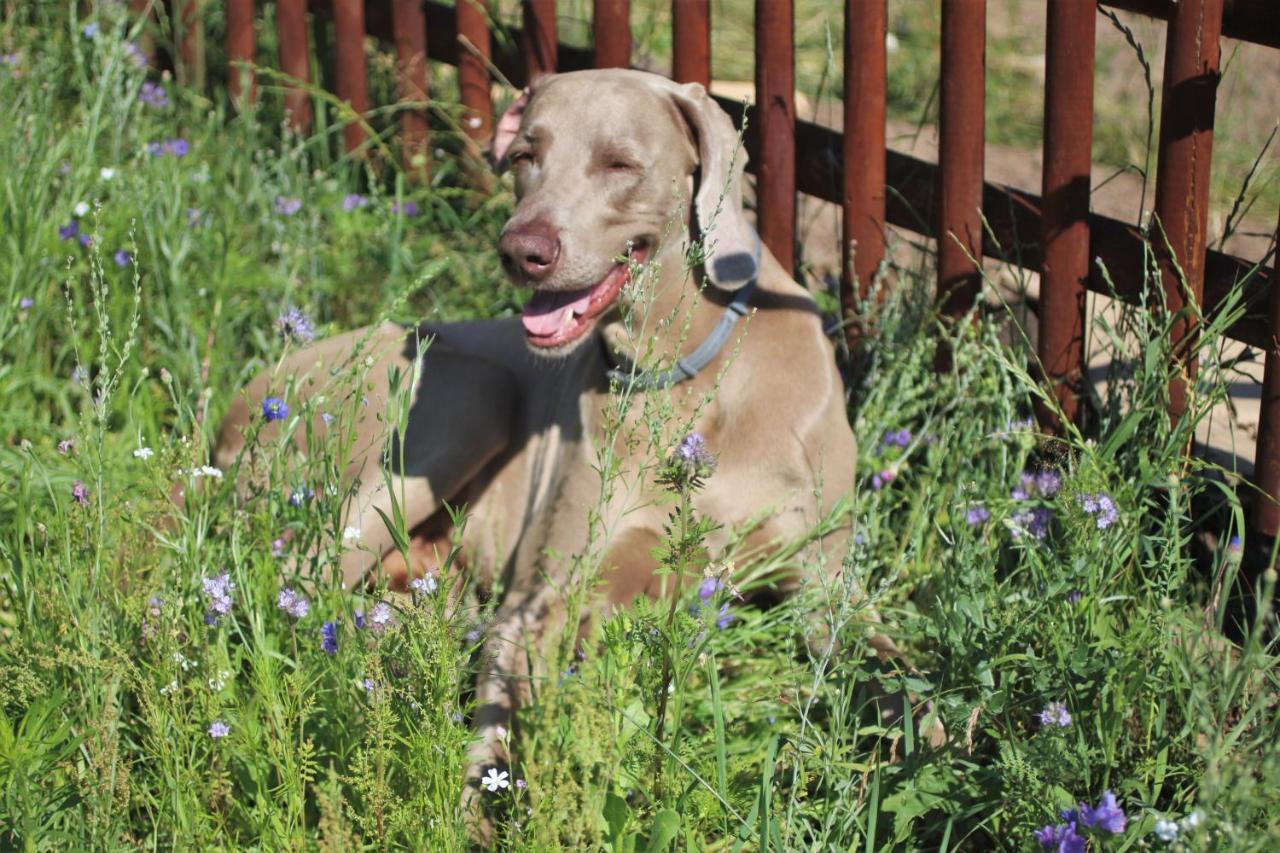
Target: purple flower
{"x":135,"y":53}
{"x":25,"y":302}
{"x":1074,"y":596}
{"x":66,"y":446}
{"x":1048,"y":483}
{"x":294,"y":325}
{"x":90,"y":30}
{"x":277,"y":547}
{"x":327,"y":418}
{"x":85,"y":240}
{"x":329,"y":638}
{"x":360,"y":621}
{"x":218,"y":590}
{"x":123,"y":258}
{"x":1055,"y":714}
{"x":1108,"y":816}
{"x":286,"y":206}
{"x":1034,"y":522}
{"x":290,"y":602}
{"x":521,"y":784}
{"x":724,"y":618}
{"x":901,"y":438}
{"x":176,"y":147}
{"x":380,"y":617}
{"x":369,"y":685}
{"x":693,"y":452}
{"x":10,"y":59}
{"x":408,"y":208}
{"x":353,"y":201}
{"x":275,"y":409}
{"x":80,"y":493}
{"x":708,"y":588}
{"x":301,"y":495}
{"x":425,"y":585}
{"x":153,"y":95}
{"x":977,"y":514}
{"x":219,"y":729}
{"x":882,"y":479}
{"x":1101,"y":507}
{"x":69,"y":231}
{"x":1063,"y":839}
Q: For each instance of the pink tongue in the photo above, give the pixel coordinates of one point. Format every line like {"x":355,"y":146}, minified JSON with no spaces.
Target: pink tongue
{"x":547,"y":312}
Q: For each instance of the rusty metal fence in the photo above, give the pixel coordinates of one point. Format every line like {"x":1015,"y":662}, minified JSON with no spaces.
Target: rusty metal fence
{"x":1056,"y":233}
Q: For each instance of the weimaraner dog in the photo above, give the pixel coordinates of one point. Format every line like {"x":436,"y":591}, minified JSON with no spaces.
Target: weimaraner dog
{"x":614,"y":171}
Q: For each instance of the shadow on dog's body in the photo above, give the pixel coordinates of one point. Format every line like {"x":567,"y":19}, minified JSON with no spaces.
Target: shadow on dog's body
{"x":512,"y":429}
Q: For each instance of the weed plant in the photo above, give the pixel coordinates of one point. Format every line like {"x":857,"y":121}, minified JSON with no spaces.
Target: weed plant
{"x":192,"y":674}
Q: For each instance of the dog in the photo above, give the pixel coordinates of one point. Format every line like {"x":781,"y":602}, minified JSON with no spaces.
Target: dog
{"x":617,"y":175}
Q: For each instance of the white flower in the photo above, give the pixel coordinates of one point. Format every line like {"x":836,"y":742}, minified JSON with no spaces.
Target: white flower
{"x":1193,"y":820}
{"x":207,"y":471}
{"x":169,"y":688}
{"x":143,"y":453}
{"x":474,"y":122}
{"x":495,"y":780}
{"x":1166,"y":830}
{"x":351,"y":534}
{"x":501,"y":732}
{"x":82,"y":208}
{"x":106,"y":173}
{"x":890,"y":43}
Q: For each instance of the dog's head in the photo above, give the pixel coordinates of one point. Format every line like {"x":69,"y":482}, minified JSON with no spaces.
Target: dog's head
{"x":602,"y":160}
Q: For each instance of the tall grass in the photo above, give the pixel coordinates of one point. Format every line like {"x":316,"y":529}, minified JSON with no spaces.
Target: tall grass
{"x":135,"y":712}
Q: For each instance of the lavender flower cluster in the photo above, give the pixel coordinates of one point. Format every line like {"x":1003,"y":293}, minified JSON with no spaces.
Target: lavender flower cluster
{"x":1106,"y":818}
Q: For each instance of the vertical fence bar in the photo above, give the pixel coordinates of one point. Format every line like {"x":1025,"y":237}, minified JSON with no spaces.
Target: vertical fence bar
{"x":1266,"y":464}
{"x":865,"y":28}
{"x":611,"y":30}
{"x":776,"y":129}
{"x":691,"y":39}
{"x":409,"y":25}
{"x":146,"y":41}
{"x":473,"y":68}
{"x":1068,"y":156}
{"x":1191,"y":76}
{"x":538,"y":40}
{"x":189,"y":35}
{"x":240,"y":52}
{"x":353,"y":87}
{"x":961,"y":140}
{"x":295,"y":60}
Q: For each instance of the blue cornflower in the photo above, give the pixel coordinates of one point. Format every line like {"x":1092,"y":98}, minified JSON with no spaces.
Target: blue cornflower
{"x":1055,"y":714}
{"x":1107,"y":816}
{"x":977,"y":514}
{"x":69,"y":231}
{"x":294,"y":325}
{"x":408,"y":208}
{"x":122,"y":258}
{"x":329,"y":638}
{"x":275,"y":409}
{"x":287,"y":206}
{"x":353,"y":201}
{"x":176,"y":147}
{"x":1061,"y":839}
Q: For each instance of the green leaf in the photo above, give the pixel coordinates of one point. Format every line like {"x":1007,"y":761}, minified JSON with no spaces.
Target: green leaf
{"x":666,"y":825}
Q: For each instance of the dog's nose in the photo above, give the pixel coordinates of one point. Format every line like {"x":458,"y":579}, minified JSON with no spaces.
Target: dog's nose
{"x":530,"y":250}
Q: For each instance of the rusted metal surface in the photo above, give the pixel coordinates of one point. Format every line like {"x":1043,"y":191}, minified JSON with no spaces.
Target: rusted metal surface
{"x":1266,"y":509}
{"x":295,"y":60}
{"x":862,"y":228}
{"x":611,"y":32}
{"x":691,"y":39}
{"x":1068,"y":156}
{"x":538,"y":38}
{"x":189,"y":34}
{"x":776,"y":130}
{"x":353,"y":86}
{"x":240,"y":51}
{"x":961,"y":138}
{"x":471,"y":55}
{"x":1256,"y":21}
{"x":1182,"y":171}
{"x":410,"y":26}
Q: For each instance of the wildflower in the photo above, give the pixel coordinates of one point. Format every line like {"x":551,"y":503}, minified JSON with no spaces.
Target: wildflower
{"x":81,"y":208}
{"x":1055,"y":714}
{"x":143,"y":453}
{"x":708,"y":588}
{"x":287,"y":206}
{"x":977,"y":514}
{"x":360,"y":622}
{"x":79,"y":376}
{"x":882,"y":479}
{"x":218,"y":590}
{"x":290,"y":602}
{"x":693,"y":451}
{"x":495,"y":780}
{"x":136,"y":54}
{"x":1048,"y":483}
{"x":1107,"y":816}
{"x":194,"y":217}
{"x":176,"y":147}
{"x":275,"y":409}
{"x":122,"y":258}
{"x":724,"y":619}
{"x":369,"y":685}
{"x":207,"y":471}
{"x":277,"y":547}
{"x":1033,"y":522}
{"x":327,"y":418}
{"x":25,"y":302}
{"x":1166,"y":831}
{"x":294,"y":325}
{"x":106,"y":173}
{"x":380,"y":616}
{"x":85,"y":240}
{"x":353,"y":201}
{"x":153,"y":95}
{"x":1062,"y":838}
{"x":66,"y":447}
{"x":425,"y":585}
{"x":90,"y":30}
{"x":1074,"y":596}
{"x":521,"y":784}
{"x":329,"y":638}
{"x":69,"y":231}
{"x":1101,"y":507}
{"x":10,"y":59}
{"x":219,"y":729}
{"x":900,"y":438}
{"x":351,"y":534}
{"x":408,"y":208}
{"x":80,"y":493}
{"x":300,"y":496}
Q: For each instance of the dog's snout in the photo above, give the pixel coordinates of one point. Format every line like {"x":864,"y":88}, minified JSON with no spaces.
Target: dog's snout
{"x":530,"y":250}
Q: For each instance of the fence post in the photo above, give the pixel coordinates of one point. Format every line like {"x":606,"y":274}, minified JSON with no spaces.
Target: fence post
{"x":1266,"y":464}
{"x":611,"y":30}
{"x":961,"y":140}
{"x":776,"y":131}
{"x":691,"y":39}
{"x":1182,"y":172}
{"x":1068,"y":158}
{"x":538,"y":39}
{"x":240,"y":52}
{"x":348,"y":33}
{"x":295,"y":61}
{"x":409,"y":26}
{"x":863,"y":154}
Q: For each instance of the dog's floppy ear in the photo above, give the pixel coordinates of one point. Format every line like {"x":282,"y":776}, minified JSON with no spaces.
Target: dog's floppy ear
{"x":732,"y":248}
{"x":504,"y":133}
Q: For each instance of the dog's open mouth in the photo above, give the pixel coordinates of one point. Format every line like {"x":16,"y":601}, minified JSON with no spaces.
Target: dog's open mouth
{"x":553,"y":318}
